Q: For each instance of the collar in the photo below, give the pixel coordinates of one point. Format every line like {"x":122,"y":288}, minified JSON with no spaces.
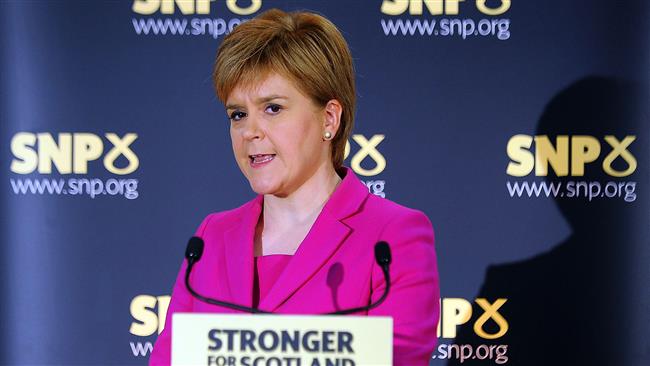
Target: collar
{"x":324,"y":238}
{"x":345,"y":201}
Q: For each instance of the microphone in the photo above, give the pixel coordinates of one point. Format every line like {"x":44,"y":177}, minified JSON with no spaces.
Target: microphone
{"x":193,"y":254}
{"x":383,"y":259}
{"x":194,"y":251}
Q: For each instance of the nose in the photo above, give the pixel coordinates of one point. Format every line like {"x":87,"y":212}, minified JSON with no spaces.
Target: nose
{"x":251,"y":128}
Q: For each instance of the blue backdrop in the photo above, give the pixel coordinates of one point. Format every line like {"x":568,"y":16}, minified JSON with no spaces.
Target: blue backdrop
{"x":520,"y":128}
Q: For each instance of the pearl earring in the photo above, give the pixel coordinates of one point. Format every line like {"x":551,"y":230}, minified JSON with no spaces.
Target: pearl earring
{"x":327,"y":135}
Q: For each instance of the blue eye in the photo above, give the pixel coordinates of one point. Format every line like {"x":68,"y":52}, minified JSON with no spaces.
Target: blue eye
{"x":237,"y":115}
{"x":273,"y":108}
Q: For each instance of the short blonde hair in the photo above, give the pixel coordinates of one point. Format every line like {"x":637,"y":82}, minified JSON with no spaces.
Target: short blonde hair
{"x":304,"y":47}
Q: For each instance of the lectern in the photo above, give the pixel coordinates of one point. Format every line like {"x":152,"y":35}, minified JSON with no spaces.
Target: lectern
{"x":281,"y":340}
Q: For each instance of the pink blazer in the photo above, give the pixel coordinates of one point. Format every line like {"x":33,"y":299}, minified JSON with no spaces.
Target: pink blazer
{"x":334,"y":268}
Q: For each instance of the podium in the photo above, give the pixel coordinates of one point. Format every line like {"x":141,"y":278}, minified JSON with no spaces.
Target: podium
{"x":281,"y":340}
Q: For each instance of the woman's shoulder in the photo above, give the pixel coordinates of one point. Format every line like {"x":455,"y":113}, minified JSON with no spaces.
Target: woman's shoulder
{"x":371,"y":207}
{"x":225,"y":219}
{"x":384,"y":211}
{"x":389,"y":208}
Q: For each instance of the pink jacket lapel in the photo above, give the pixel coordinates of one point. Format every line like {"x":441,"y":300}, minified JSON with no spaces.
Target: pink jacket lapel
{"x":326,"y":235}
{"x":238,"y":241}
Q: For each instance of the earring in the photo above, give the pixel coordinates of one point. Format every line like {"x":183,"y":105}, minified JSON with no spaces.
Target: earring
{"x":327,"y":135}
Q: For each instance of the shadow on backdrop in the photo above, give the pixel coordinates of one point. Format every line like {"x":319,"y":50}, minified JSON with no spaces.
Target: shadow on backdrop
{"x":571,"y":305}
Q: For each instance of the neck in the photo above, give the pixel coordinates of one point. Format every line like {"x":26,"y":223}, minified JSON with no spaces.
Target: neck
{"x":305,"y":203}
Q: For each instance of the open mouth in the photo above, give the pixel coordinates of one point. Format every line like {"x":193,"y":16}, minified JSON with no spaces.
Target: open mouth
{"x":258,"y":159}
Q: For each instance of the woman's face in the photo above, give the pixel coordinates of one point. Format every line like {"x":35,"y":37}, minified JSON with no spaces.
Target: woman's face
{"x":276,"y":134}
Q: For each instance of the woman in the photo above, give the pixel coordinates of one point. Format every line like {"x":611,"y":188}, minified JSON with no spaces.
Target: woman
{"x":304,"y":245}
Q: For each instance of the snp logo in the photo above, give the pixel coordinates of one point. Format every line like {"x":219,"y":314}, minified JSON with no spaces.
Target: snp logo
{"x":368,"y":149}
{"x":439,"y":7}
{"x":580,"y":150}
{"x":70,"y":152}
{"x":148,"y":313}
{"x":187,"y":7}
{"x":457,"y":311}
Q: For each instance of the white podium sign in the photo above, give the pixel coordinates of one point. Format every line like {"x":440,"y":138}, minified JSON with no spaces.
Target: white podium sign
{"x":281,"y":340}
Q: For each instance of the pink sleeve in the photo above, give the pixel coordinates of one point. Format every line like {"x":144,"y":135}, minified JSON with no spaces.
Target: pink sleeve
{"x":181,"y":301}
{"x":414,"y":298}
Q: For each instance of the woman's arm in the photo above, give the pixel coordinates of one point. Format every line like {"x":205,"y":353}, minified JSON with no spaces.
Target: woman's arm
{"x":414,"y":298}
{"x":181,"y":301}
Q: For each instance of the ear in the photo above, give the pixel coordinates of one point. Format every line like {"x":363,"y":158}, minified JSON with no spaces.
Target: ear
{"x":333,"y":110}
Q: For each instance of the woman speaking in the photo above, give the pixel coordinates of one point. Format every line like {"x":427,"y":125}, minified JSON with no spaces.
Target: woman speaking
{"x":305,"y":244}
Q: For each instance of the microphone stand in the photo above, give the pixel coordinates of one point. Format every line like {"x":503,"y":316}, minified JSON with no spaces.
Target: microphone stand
{"x":195,"y":250}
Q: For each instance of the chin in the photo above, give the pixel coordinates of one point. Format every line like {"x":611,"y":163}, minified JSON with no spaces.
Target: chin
{"x":263,"y":187}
